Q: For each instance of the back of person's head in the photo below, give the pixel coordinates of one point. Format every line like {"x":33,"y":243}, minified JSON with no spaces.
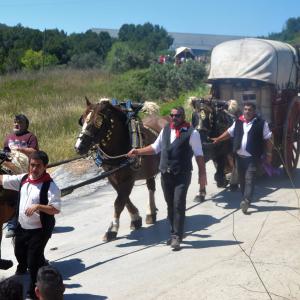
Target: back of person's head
{"x":49,"y":284}
{"x":41,"y":155}
{"x":10,"y":289}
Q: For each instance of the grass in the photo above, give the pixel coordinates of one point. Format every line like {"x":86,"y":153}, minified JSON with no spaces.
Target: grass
{"x":53,"y":101}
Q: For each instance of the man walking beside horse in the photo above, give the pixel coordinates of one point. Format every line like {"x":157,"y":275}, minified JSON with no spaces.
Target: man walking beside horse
{"x":251,"y":138}
{"x":177,"y":142}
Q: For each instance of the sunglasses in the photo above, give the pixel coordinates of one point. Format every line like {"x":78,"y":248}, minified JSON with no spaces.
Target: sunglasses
{"x":175,"y":115}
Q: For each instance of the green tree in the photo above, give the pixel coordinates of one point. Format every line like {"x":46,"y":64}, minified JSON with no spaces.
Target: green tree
{"x":35,"y":60}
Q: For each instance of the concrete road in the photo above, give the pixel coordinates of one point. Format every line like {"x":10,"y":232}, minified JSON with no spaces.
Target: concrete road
{"x":225,"y":255}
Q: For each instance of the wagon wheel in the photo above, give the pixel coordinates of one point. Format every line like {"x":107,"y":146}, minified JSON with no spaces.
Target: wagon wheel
{"x":291,"y":136}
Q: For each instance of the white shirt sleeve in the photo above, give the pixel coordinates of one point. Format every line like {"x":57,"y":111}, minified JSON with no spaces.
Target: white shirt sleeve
{"x":267,"y":133}
{"x":195,"y":143}
{"x":230,"y":130}
{"x":54,"y":196}
{"x":12,"y":182}
{"x":157,"y":144}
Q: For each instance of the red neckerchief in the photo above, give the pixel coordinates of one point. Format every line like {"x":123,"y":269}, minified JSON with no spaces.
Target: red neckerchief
{"x":180,"y":128}
{"x":45,"y":177}
{"x":242,"y":118}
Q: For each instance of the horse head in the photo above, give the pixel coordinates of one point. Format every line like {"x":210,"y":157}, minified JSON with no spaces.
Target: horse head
{"x":98,"y":123}
{"x":202,"y":117}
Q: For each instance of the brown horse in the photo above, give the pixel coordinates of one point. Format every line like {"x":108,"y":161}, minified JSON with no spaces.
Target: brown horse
{"x":7,"y":210}
{"x":105,"y":126}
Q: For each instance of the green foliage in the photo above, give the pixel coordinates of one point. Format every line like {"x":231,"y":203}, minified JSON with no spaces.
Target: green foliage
{"x":86,"y":60}
{"x":290,"y":32}
{"x":125,"y":56}
{"x":166,"y":81}
{"x":35,"y":60}
{"x":58,"y":47}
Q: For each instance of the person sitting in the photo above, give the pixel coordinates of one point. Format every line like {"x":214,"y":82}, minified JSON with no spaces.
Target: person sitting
{"x":49,"y":284}
{"x":20,"y":141}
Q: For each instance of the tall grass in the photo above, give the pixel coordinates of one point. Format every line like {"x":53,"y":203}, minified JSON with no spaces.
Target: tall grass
{"x":53,"y":101}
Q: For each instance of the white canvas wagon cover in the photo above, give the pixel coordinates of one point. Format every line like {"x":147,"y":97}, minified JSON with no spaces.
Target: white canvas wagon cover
{"x":265,"y":60}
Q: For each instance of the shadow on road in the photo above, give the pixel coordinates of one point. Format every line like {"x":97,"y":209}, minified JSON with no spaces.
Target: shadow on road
{"x":264,"y":186}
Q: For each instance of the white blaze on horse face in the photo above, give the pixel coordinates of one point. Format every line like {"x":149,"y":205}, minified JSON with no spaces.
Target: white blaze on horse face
{"x":84,"y":126}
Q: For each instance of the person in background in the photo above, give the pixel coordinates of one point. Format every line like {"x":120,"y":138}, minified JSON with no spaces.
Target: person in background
{"x":49,"y":284}
{"x":39,"y":202}
{"x":10,"y":289}
{"x":251,"y":139}
{"x":177,"y":142}
{"x":25,"y":142}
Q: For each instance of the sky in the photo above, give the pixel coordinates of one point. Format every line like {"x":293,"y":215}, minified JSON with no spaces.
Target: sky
{"x":230,"y":17}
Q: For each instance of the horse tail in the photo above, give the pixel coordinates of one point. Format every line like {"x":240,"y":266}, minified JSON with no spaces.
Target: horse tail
{"x":150,"y":108}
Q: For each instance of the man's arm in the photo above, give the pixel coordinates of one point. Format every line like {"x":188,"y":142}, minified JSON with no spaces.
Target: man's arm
{"x":223,"y":137}
{"x":269,"y":148}
{"x":148,"y":150}
{"x":1,"y":179}
{"x":26,"y":151}
{"x":48,"y":209}
{"x":201,"y":171}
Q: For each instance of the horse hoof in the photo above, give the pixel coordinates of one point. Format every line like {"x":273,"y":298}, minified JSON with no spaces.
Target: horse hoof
{"x":151,"y":219}
{"x":136,"y":224}
{"x":199,"y":198}
{"x":109,"y":236}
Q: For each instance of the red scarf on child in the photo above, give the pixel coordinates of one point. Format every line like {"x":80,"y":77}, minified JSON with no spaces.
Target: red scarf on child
{"x":45,"y":177}
{"x":180,"y":128}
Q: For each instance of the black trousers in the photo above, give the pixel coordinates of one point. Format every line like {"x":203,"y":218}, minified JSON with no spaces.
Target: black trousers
{"x":246,"y":167}
{"x":175,"y":188}
{"x":29,"y":251}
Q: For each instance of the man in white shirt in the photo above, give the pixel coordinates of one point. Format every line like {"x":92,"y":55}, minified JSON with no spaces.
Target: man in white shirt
{"x":177,"y":143}
{"x":251,"y":139}
{"x":39,"y":202}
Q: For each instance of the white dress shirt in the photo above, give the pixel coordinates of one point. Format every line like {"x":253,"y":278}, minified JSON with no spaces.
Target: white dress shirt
{"x":246,"y":127}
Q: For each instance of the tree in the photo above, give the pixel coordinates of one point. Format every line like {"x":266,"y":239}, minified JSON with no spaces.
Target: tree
{"x":35,"y":60}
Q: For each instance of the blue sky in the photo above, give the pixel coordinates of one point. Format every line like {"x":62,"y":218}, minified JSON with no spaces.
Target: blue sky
{"x":231,"y":17}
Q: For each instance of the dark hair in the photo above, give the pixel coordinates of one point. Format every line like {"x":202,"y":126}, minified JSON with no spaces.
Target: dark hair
{"x":22,"y":118}
{"x":41,"y":155}
{"x":50,"y":283}
{"x":251,"y":104}
{"x":181,"y":109}
{"x":10,"y":289}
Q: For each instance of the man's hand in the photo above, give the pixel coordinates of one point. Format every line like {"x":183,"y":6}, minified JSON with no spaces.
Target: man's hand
{"x":31,"y":210}
{"x":132,"y":153}
{"x":215,"y":140}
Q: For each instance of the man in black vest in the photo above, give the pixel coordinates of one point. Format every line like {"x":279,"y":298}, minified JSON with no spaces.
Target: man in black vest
{"x":39,"y":202}
{"x":251,"y":137}
{"x":177,"y":143}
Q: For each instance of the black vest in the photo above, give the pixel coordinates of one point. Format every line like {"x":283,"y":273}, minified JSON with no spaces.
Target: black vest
{"x":48,"y":221}
{"x":255,"y":141}
{"x":176,"y":158}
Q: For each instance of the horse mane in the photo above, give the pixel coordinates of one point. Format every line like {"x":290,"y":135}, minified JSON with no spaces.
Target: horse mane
{"x":150,"y":108}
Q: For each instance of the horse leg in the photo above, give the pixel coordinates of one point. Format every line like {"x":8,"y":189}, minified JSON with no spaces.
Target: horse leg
{"x":219,"y":175}
{"x":151,"y":210}
{"x":4,"y":263}
{"x":112,"y":230}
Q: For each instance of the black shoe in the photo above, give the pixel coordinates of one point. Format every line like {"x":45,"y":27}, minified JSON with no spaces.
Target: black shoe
{"x":245,"y":205}
{"x":21,"y":270}
{"x":175,"y":243}
{"x":5,"y":264}
{"x":169,"y":241}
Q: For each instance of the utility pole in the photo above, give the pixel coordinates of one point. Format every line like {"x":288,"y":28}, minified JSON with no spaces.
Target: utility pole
{"x":43,"y":54}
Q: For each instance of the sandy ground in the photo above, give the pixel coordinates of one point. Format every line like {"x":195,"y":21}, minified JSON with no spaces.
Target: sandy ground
{"x":225,"y":255}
